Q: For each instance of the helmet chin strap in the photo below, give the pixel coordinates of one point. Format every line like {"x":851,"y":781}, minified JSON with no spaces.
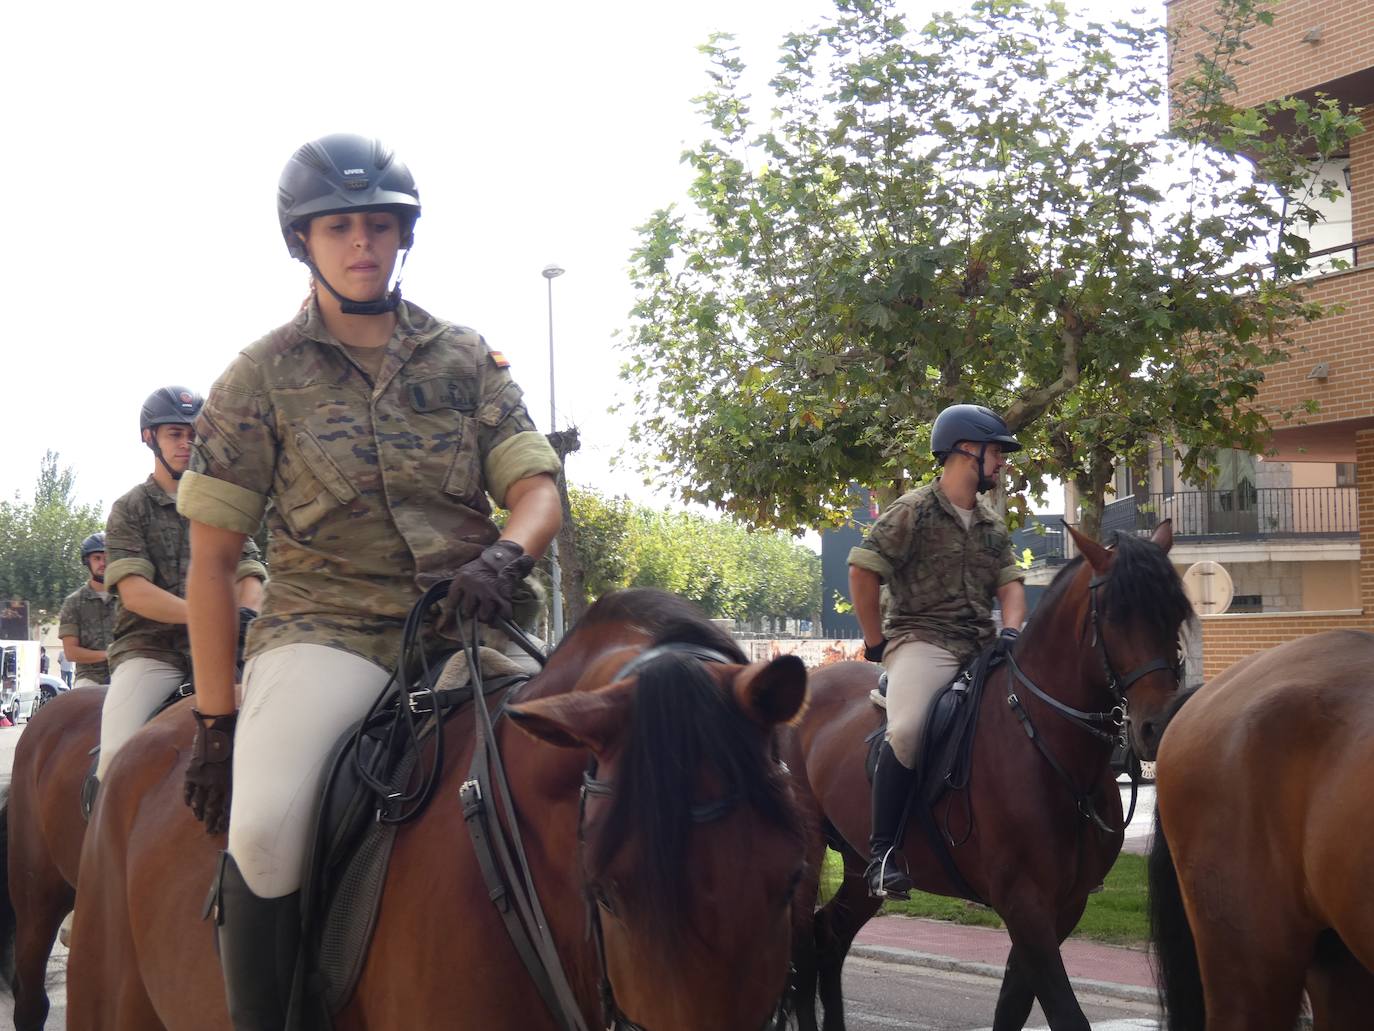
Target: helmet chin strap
{"x":985,"y":482}
{"x":157,"y":450}
{"x":351,"y":307}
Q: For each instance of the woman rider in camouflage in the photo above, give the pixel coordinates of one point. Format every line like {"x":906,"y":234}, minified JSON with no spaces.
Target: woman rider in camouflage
{"x":377,"y":433}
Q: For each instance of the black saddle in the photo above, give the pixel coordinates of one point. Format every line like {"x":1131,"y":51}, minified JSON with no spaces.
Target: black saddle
{"x":369,"y":791}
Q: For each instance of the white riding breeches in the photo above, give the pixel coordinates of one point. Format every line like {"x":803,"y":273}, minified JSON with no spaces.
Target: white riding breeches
{"x":916,"y":671}
{"x":298,"y":700}
{"x":137,"y":687}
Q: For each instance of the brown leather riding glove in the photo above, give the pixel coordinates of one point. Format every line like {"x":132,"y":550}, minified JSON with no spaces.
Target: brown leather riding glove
{"x":208,"y":775}
{"x":483,"y":588}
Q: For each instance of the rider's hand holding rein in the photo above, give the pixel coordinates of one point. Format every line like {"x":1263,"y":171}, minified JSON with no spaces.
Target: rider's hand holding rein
{"x":214,"y":647}
{"x":483,"y":588}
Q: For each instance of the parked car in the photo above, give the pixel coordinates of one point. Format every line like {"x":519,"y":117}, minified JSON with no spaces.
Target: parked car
{"x":23,"y":689}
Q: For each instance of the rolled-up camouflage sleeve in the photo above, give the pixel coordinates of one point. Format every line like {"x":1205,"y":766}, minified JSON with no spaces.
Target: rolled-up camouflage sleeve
{"x":1010,"y":571}
{"x":69,"y":619}
{"x":512,"y":449}
{"x":235,"y":454}
{"x":125,"y":545}
{"x":888,"y":546}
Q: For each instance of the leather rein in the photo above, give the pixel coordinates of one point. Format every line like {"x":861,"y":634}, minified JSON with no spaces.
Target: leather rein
{"x":1117,"y":718}
{"x":506,"y":870}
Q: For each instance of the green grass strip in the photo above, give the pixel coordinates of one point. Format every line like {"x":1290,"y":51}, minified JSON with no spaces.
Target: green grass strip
{"x":1118,"y":914}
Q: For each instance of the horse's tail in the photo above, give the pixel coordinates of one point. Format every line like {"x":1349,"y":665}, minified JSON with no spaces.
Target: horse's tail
{"x":1173,"y":952}
{"x":7,"y":920}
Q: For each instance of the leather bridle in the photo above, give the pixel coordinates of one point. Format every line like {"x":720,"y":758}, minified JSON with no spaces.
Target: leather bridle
{"x":612,"y":1016}
{"x":1117,"y":717}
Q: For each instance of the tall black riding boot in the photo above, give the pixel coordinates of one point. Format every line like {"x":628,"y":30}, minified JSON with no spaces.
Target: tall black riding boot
{"x":259,"y":941}
{"x":892,"y":787}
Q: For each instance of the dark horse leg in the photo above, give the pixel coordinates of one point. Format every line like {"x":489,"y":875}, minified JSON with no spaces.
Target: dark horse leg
{"x":1036,"y":968}
{"x":802,"y":1000}
{"x":1016,"y":998}
{"x":836,"y":925}
{"x":39,"y":898}
{"x":1341,"y":989}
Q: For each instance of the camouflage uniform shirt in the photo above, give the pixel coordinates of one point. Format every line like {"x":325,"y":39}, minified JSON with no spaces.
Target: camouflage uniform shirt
{"x":374,"y":488}
{"x":940,"y":577}
{"x":146,"y":537}
{"x":88,"y":615}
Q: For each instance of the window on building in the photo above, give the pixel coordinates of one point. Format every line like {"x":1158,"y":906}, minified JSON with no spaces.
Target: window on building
{"x":1247,"y":603}
{"x":1166,"y":473}
{"x":1345,"y":474}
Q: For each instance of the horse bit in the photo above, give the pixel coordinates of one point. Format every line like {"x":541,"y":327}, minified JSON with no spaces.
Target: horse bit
{"x":1117,"y":717}
{"x":613,"y":1017}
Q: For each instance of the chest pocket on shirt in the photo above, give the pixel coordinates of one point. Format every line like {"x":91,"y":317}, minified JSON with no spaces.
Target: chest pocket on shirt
{"x":985,"y":556}
{"x":315,"y":487}
{"x":451,"y":402}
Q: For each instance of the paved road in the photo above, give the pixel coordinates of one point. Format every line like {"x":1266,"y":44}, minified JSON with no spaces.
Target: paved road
{"x":880,"y":996}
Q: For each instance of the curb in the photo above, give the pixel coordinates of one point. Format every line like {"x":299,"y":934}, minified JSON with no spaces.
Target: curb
{"x":930,"y":961}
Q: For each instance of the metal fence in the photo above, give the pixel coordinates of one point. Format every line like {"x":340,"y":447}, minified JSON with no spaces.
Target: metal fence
{"x":1245,"y":513}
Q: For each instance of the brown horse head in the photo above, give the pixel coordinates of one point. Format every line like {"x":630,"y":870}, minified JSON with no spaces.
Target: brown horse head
{"x":1137,"y":610}
{"x":691,"y":845}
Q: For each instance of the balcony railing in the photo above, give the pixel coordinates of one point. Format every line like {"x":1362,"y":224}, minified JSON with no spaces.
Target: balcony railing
{"x":1242,"y":514}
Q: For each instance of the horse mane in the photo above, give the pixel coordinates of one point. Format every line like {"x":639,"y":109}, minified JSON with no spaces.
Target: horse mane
{"x":681,"y":723}
{"x":1142,"y":586}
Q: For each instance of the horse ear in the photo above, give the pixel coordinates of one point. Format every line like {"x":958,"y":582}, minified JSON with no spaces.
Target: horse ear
{"x":1098,"y":557}
{"x":771,"y":692}
{"x":582,"y":719}
{"x":1164,"y":535}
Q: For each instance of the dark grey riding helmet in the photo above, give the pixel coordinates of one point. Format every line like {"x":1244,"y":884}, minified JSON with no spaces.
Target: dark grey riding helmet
{"x":95,"y":542}
{"x":344,"y":172}
{"x":168,"y":405}
{"x":973,"y":423}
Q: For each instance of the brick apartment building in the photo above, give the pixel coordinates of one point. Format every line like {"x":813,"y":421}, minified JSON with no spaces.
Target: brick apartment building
{"x":1314,"y":46}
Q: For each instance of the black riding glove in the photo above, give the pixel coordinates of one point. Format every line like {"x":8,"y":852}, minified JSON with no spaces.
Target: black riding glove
{"x":1009,"y":633}
{"x":208,"y":774}
{"x":874,"y":652}
{"x":483,"y":588}
{"x":246,"y":616}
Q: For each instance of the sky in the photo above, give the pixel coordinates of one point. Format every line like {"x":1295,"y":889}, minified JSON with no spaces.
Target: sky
{"x":144,"y":142}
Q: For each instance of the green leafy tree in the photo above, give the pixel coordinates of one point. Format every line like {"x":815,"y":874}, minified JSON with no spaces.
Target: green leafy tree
{"x":40,"y":541}
{"x":986,"y":208}
{"x":727,"y":569}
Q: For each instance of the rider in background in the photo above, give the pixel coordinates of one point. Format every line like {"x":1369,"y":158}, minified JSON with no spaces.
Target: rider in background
{"x":943,"y":556}
{"x":86,"y":620}
{"x":148,"y":547}
{"x":370,"y":434}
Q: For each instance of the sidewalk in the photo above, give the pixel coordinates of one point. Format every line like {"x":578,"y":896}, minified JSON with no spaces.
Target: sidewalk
{"x":1096,"y":969}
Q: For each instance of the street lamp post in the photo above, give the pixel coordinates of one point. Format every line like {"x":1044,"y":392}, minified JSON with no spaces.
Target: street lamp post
{"x":550,"y":273}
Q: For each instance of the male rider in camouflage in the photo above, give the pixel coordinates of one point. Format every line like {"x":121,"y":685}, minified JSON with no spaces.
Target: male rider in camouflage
{"x":943,"y":555}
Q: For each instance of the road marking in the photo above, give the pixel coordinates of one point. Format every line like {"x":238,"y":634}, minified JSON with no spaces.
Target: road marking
{"x":1111,"y":1025}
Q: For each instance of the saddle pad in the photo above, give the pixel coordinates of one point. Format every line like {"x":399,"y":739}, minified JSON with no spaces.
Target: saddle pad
{"x":352,"y":846}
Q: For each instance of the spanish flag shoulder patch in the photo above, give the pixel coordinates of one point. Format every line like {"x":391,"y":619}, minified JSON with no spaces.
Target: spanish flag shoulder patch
{"x":498,"y":359}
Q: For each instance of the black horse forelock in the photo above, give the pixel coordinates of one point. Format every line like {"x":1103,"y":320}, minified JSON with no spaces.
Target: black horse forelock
{"x":685,"y":731}
{"x":1144,"y":587}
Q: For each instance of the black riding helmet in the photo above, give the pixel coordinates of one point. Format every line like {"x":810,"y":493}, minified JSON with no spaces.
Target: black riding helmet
{"x":972,"y":424}
{"x":166,"y":406}
{"x":346,"y":173}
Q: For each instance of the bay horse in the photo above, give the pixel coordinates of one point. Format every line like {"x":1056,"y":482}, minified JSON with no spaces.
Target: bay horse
{"x":42,"y":829}
{"x":1035,"y":840}
{"x":1264,"y":840}
{"x":685,"y":851}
